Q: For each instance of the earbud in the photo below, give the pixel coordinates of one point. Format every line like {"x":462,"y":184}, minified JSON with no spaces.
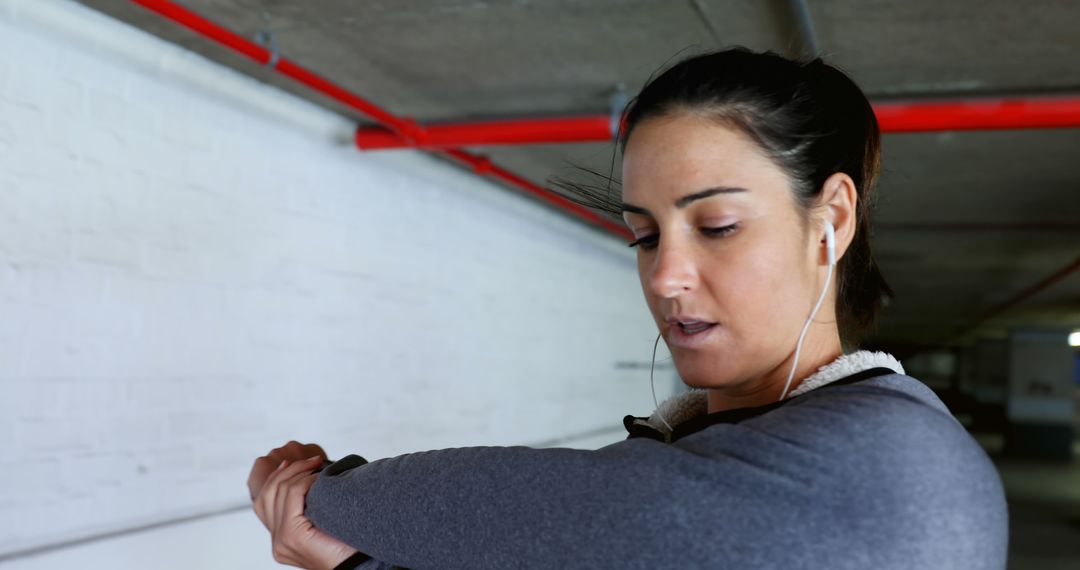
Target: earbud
{"x":830,"y":242}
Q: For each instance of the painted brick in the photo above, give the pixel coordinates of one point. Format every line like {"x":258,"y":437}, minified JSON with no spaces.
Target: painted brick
{"x":186,"y":285}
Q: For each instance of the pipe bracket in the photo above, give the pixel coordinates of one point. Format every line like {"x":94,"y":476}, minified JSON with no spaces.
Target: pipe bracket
{"x":265,"y":38}
{"x":618,"y":105}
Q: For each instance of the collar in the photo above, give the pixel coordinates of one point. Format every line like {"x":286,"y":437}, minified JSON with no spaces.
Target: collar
{"x":693,"y":405}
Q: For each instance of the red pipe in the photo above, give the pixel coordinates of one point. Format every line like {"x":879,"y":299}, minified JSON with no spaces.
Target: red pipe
{"x":893,"y":117}
{"x":403,"y":128}
{"x":514,"y":131}
{"x":979,"y":114}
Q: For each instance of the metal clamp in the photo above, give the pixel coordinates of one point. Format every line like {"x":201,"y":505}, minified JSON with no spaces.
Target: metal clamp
{"x":265,"y":38}
{"x":618,"y":105}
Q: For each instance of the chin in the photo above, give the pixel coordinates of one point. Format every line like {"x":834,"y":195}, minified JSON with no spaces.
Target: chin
{"x":700,"y":375}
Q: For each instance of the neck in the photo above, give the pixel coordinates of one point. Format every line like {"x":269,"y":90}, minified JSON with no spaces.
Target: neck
{"x":817,"y":351}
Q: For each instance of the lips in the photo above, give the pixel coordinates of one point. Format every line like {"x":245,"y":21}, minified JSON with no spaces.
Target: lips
{"x":688,"y":321}
{"x":695,"y":327}
{"x":691,"y":334}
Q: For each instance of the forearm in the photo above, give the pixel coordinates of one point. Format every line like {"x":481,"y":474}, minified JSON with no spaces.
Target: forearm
{"x":484,"y":506}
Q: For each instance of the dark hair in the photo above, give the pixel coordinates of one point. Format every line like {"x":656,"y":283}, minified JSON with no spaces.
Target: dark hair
{"x":809,"y":118}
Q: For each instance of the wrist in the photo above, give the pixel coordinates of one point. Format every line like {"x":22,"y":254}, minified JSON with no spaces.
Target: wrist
{"x":333,"y":559}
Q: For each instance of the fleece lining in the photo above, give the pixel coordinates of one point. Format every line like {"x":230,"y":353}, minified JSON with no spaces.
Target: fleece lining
{"x":688,"y":405}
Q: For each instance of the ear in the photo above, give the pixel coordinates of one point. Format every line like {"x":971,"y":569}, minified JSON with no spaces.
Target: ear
{"x":839,"y":201}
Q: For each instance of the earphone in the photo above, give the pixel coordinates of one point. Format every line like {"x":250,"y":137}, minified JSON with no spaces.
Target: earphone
{"x":830,"y":242}
{"x":652,"y":384}
{"x":830,"y":247}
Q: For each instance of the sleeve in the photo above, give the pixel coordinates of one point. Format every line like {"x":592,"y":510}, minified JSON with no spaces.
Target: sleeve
{"x":360,"y":560}
{"x":854,"y":480}
{"x":499,"y":507}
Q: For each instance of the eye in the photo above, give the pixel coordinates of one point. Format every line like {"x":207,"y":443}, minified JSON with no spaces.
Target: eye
{"x":718,"y":232}
{"x":647,"y":242}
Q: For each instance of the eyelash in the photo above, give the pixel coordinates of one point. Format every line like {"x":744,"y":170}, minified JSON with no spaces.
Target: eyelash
{"x":649,"y":242}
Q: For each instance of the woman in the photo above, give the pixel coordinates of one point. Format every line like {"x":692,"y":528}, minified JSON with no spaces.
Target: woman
{"x":746,"y":176}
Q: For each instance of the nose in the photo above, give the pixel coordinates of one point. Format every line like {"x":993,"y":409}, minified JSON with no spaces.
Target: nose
{"x":673,"y":271}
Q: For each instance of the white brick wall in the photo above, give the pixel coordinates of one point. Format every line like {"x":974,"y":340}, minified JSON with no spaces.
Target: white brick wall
{"x":195,"y":269}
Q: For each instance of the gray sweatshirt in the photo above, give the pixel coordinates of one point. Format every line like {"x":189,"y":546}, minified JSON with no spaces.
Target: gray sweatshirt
{"x":862,"y":467}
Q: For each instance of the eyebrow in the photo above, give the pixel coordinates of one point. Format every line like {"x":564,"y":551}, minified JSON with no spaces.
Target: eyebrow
{"x":686,"y":200}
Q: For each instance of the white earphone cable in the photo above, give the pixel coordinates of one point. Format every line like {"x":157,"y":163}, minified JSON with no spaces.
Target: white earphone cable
{"x":652,"y":383}
{"x":806,"y":327}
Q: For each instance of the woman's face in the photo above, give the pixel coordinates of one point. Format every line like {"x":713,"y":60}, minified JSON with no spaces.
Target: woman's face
{"x":720,"y":241}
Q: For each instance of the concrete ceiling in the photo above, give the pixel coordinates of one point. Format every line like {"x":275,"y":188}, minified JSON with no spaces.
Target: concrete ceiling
{"x":966,"y":221}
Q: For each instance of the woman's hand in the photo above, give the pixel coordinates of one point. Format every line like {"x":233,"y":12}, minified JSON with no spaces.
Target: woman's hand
{"x":265,"y":465}
{"x":279,"y":504}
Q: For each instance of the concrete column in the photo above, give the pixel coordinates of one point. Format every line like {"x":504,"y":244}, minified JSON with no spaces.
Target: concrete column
{"x":1041,"y":409}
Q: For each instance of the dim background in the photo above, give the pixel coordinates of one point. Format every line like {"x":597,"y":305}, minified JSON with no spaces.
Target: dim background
{"x":197,"y":264}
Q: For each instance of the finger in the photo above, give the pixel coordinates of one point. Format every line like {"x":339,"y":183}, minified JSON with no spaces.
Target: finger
{"x":295,"y":467}
{"x":314,"y":449}
{"x":307,"y":481}
{"x":289,"y":477}
{"x":291,"y":526}
{"x":288,"y":521}
{"x":293,"y":450}
{"x":283,"y":487}
{"x":286,"y":451}
{"x":275,"y":484}
{"x":295,"y":496}
{"x":285,"y":469}
{"x":267,"y":465}
{"x":279,"y":453}
{"x":266,"y":496}
{"x":260,"y":470}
